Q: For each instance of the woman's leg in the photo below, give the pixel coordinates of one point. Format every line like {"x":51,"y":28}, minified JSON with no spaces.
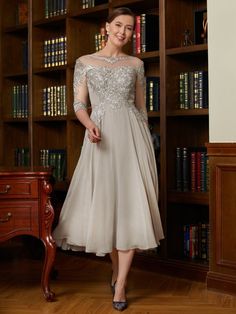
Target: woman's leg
{"x":114,"y":260}
{"x":124,"y":259}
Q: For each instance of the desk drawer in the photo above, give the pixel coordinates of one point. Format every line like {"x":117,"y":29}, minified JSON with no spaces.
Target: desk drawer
{"x":19,"y":217}
{"x":18,"y":188}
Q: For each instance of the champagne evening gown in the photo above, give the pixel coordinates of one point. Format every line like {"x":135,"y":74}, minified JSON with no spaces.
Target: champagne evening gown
{"x":112,"y":200}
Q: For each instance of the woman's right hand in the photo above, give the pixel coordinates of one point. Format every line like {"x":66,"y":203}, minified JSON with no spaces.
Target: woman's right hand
{"x":94,"y":133}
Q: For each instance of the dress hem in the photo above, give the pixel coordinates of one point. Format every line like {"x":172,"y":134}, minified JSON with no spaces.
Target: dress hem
{"x":65,"y":246}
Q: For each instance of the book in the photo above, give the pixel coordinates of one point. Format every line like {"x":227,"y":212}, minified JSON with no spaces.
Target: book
{"x":146,"y":35}
{"x":196,"y":241}
{"x":22,"y":12}
{"x":54,"y":101}
{"x":138,"y":34}
{"x":54,"y":8}
{"x":153,"y":93}
{"x":55,"y":52}
{"x":56,"y":158}
{"x":21,"y":156}
{"x":149,"y":32}
{"x":191,"y":164}
{"x":193,"y":90}
{"x":20,"y":101}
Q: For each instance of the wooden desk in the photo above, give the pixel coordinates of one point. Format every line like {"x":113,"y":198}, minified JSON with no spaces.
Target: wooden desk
{"x":25,"y":209}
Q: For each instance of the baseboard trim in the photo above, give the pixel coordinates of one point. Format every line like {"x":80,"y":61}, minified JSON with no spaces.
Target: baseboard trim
{"x":221,"y":282}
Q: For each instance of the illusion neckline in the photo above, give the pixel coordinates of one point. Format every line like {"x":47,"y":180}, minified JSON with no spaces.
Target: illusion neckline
{"x":109,"y":59}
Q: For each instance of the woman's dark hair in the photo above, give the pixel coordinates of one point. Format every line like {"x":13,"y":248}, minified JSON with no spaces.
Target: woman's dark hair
{"x":121,"y":11}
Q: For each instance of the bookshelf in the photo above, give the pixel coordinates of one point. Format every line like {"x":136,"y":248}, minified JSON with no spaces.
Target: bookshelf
{"x":184,"y":128}
{"x":177,"y":127}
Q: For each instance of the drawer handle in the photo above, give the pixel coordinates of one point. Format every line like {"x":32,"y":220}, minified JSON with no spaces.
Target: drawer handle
{"x":7,"y":188}
{"x":7,"y":218}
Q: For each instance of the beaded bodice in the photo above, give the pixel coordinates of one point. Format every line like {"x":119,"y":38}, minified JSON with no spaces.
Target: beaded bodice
{"x":111,"y":82}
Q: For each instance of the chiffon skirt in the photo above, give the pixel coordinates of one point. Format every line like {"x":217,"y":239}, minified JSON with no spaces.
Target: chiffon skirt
{"x":112,"y":201}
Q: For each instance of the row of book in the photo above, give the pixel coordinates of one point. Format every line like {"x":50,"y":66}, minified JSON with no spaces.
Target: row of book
{"x":55,"y":158}
{"x":153,"y":93}
{"x":192,"y":169}
{"x":86,"y":4}
{"x":100,"y":39}
{"x":54,"y":101}
{"x":146,"y":34}
{"x":55,"y":52}
{"x":54,"y":8}
{"x":193,"y":90}
{"x":196,"y":241}
{"x":20,"y":101}
{"x":21,"y":156}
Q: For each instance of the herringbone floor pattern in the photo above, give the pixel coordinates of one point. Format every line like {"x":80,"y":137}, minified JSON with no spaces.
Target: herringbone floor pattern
{"x":82,"y":287}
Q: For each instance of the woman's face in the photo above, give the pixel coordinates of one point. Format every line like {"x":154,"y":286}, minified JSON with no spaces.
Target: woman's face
{"x":120,"y":30}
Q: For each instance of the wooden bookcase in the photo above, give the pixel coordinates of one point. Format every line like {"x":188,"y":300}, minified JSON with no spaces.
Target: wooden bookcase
{"x":176,"y":127}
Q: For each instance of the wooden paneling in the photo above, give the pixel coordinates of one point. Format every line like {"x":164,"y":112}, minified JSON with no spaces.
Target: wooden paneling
{"x":222,"y":161}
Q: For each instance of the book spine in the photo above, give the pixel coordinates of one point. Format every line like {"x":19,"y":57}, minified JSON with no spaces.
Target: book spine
{"x":185,"y":169}
{"x":181,"y":91}
{"x":179,"y":169}
{"x":14,"y":101}
{"x":186,"y":91}
{"x":191,"y":90}
{"x":196,"y":90}
{"x":143,"y":32}
{"x":138,"y":34}
{"x":205,"y":89}
{"x":46,"y":9}
{"x":193,"y":171}
{"x":198,"y":171}
{"x":200,"y":89}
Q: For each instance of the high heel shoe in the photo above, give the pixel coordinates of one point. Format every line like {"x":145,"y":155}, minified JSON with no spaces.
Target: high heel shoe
{"x":118,"y":305}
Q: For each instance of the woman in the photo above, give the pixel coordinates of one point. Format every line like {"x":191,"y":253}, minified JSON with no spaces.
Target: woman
{"x":112,"y":203}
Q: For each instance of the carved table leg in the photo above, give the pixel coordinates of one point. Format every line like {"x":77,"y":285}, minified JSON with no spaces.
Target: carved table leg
{"x":50,"y":251}
{"x":49,"y":243}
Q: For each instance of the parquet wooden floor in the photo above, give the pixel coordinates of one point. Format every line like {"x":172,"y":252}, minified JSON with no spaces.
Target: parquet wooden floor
{"x":82,"y":287}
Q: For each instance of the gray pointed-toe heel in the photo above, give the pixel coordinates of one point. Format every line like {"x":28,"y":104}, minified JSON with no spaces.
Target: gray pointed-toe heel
{"x":120,"y":305}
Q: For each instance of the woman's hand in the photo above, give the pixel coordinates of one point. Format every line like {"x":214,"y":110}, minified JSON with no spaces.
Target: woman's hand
{"x":94,"y":134}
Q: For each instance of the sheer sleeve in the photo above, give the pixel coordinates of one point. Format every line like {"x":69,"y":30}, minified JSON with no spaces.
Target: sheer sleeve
{"x":80,"y":87}
{"x":140,"y":97}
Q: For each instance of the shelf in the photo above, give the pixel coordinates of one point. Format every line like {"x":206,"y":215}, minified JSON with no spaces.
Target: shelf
{"x":193,"y":49}
{"x":50,"y":69}
{"x":136,"y":4}
{"x":22,"y":74}
{"x":14,"y":120}
{"x":201,"y":198}
{"x":154,"y":114}
{"x":94,"y":12}
{"x":50,"y":118}
{"x":188,"y":112}
{"x":22,"y":28}
{"x":52,"y":21}
{"x":150,"y":56}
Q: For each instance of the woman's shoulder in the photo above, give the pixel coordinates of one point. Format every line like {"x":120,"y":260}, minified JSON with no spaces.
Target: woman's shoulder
{"x":82,"y":59}
{"x":135,"y":61}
